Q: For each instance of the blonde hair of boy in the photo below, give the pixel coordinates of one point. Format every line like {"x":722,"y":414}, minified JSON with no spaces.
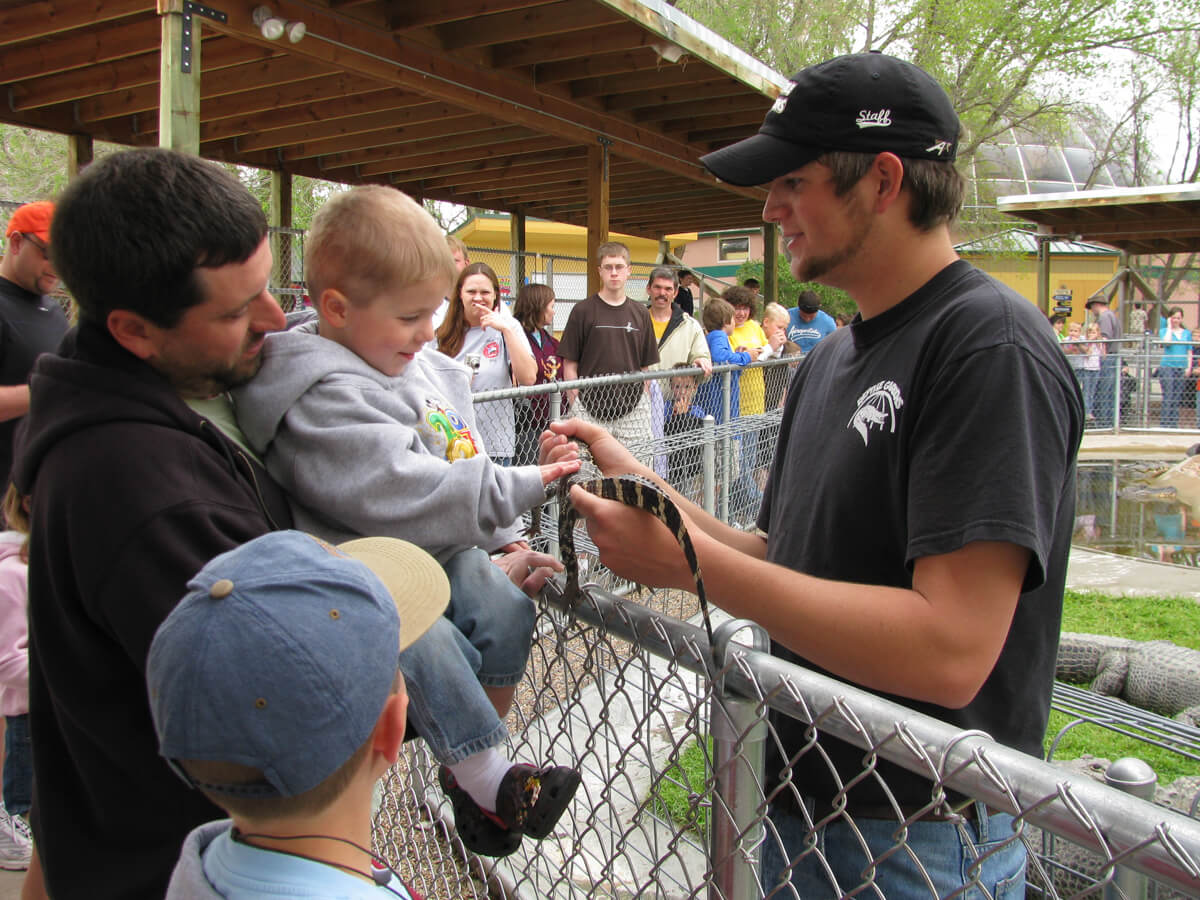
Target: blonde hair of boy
{"x":371,"y":239}
{"x":775,"y":312}
{"x":613,"y":248}
{"x":717,"y":313}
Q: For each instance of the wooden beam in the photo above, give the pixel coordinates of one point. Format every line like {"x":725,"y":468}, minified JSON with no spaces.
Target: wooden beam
{"x":526,"y":24}
{"x":342,"y":122}
{"x":443,"y":131}
{"x":422,"y":15}
{"x":315,"y":99}
{"x":617,"y":101}
{"x":487,"y":145}
{"x":597,"y":65}
{"x":37,"y":21}
{"x":280,"y":216}
{"x":79,"y":83}
{"x":81,"y":48}
{"x":770,"y":285}
{"x":179,"y":84}
{"x":635,"y":82}
{"x":597,"y":203}
{"x":680,"y":109}
{"x":79,"y":153}
{"x":126,"y":99}
{"x":516,"y":239}
{"x":438,"y":176}
{"x":580,"y":43}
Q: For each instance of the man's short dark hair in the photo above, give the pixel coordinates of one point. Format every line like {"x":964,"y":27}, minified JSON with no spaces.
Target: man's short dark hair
{"x":936,"y":188}
{"x":751,"y":283}
{"x":665,"y":273}
{"x":131,"y":230}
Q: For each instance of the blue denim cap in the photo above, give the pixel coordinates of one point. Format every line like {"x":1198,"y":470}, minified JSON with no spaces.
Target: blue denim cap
{"x":283,"y":653}
{"x":861,"y":103}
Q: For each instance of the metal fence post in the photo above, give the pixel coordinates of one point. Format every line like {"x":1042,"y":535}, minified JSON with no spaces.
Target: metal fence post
{"x":709,"y":464}
{"x":739,"y":732}
{"x":1133,"y":776}
{"x":726,"y":445}
{"x":1117,"y":378}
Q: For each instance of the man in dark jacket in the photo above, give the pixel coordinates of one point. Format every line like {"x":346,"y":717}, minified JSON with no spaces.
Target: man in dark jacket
{"x":133,"y":491}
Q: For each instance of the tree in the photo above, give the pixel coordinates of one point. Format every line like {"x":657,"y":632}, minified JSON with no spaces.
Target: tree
{"x":833,"y":300}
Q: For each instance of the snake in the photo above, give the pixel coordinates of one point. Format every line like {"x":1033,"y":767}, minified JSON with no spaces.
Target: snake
{"x":640,"y":493}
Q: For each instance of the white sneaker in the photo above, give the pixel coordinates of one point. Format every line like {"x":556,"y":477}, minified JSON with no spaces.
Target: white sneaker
{"x":16,"y":843}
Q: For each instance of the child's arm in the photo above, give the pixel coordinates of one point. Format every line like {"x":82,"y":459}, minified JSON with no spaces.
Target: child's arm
{"x":721,"y":351}
{"x":376,"y":468}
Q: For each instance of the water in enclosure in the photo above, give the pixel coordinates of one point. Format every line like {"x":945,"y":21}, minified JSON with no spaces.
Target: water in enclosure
{"x":1122,"y":506}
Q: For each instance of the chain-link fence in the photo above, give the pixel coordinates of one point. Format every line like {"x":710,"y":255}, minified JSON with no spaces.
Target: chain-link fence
{"x":1140,"y":382}
{"x":676,"y":800}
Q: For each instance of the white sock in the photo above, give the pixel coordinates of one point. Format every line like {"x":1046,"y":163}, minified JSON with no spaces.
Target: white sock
{"x":480,"y":776}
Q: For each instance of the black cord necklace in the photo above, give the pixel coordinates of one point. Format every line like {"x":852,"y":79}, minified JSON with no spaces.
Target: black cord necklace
{"x":381,"y":873}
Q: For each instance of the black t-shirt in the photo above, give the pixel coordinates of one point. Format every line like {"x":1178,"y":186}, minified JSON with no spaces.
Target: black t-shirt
{"x":951,"y":418}
{"x":30,"y":325}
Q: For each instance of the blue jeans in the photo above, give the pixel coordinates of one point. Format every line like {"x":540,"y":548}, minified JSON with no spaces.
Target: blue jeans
{"x":18,"y":765}
{"x":1106,"y":386}
{"x":1172,"y":380}
{"x":482,"y":640}
{"x":944,"y":852}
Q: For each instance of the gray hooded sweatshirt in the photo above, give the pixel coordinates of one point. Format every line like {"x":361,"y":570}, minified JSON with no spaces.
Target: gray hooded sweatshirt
{"x":361,"y":453}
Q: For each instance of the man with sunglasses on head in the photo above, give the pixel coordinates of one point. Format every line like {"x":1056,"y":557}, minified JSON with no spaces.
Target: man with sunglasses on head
{"x":30,"y":322}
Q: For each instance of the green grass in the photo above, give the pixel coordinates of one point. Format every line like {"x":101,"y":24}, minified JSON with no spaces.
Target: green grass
{"x":1139,"y":618}
{"x":691,"y":770}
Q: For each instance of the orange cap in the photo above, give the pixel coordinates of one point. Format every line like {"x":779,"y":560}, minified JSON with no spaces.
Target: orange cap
{"x":32,"y":218}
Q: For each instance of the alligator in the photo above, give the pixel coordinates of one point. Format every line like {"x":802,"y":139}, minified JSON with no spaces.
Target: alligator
{"x":1156,"y":675}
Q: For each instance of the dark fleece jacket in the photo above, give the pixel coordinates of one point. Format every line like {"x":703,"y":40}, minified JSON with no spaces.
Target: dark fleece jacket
{"x":133,"y":492}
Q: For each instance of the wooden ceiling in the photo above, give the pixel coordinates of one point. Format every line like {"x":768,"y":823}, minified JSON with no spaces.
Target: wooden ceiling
{"x":1138,"y":220}
{"x":490,"y":103}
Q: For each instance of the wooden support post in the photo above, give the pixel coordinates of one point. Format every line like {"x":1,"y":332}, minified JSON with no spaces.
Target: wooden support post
{"x":598,"y":192}
{"x":516,"y":239}
{"x":1043,"y":274}
{"x":770,"y":283}
{"x":178,"y":90}
{"x":664,"y":250}
{"x":79,"y":153}
{"x":280,"y":216}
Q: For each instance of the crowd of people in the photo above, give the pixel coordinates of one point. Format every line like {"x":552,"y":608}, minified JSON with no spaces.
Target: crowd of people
{"x":260,"y":551}
{"x":1104,"y":364}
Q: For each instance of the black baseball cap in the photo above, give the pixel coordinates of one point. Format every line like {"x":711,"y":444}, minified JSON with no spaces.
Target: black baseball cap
{"x":861,"y":102}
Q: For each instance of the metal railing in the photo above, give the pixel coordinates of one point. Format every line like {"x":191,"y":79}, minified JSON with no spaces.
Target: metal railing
{"x":675,"y":800}
{"x":1136,"y":383}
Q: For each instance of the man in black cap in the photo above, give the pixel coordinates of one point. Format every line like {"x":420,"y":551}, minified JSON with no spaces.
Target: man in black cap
{"x":919,"y":509}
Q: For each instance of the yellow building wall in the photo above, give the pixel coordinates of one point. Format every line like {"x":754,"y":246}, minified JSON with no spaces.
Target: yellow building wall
{"x":1082,"y":275}
{"x":557,"y":239}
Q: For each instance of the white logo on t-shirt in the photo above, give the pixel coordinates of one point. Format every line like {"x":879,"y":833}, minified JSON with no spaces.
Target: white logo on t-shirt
{"x":877,"y":408}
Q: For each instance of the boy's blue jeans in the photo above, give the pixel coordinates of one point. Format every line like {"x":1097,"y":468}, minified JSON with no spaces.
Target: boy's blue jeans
{"x":945,"y":853}
{"x":482,"y":640}
{"x":18,"y":765}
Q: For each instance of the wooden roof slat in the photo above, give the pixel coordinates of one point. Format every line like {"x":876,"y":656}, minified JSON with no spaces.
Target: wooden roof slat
{"x":495,"y":168}
{"x":468,"y":146}
{"x":597,"y":65}
{"x":580,"y":43}
{"x":635,"y":82}
{"x":444,"y":130}
{"x":525,"y":25}
{"x":32,"y":21}
{"x":421,"y":15}
{"x":277,"y":107}
{"x":75,"y":50}
{"x":344,"y":122}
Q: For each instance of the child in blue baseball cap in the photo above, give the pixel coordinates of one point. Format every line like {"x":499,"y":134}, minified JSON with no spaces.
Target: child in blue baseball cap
{"x":275,"y":690}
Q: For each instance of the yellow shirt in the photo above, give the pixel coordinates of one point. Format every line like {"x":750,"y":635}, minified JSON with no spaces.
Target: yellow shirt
{"x":660,"y":328}
{"x":750,"y":335}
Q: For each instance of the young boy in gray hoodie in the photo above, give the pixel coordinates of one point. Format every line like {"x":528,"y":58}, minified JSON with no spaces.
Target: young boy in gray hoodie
{"x":371,"y":434}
